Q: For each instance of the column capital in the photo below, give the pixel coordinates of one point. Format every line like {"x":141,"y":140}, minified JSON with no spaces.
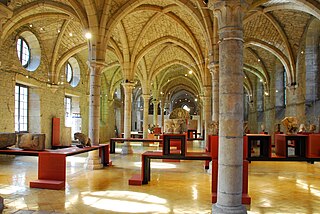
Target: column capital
{"x":128,"y":85}
{"x":230,"y":15}
{"x":207,"y":90}
{"x":155,"y":102}
{"x":96,"y":64}
{"x":145,"y":96}
{"x":214,"y":68}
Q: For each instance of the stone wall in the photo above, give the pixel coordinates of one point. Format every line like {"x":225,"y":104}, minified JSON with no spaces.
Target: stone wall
{"x":45,"y":100}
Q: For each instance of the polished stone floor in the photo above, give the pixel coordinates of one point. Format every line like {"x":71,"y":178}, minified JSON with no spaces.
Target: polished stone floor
{"x":175,"y":187}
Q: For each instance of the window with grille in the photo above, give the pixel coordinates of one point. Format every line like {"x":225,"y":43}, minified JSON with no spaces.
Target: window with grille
{"x":67,"y":106}
{"x":69,"y":73}
{"x":23,"y":51}
{"x":21,"y":108}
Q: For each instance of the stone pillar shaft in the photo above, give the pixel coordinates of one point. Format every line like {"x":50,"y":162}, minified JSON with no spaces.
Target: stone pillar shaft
{"x":93,"y":161}
{"x":155,"y":112}
{"x":230,"y":19}
{"x":128,"y":87}
{"x":146,"y":98}
{"x":206,"y":110}
{"x":94,"y":103}
{"x":215,"y":92}
{"x":214,"y":68}
{"x":127,"y":108}
{"x":162,"y":113}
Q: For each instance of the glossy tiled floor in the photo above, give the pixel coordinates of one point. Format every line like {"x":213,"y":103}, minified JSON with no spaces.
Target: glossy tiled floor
{"x":183,"y":187}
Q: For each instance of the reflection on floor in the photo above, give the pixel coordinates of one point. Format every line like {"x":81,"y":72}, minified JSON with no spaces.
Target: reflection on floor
{"x":175,"y":187}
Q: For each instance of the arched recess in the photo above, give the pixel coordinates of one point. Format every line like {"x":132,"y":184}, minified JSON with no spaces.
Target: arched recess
{"x":307,"y":6}
{"x":172,"y":63}
{"x":260,"y":76}
{"x":62,"y":60}
{"x":276,"y":52}
{"x":168,"y":39}
{"x":312,"y":58}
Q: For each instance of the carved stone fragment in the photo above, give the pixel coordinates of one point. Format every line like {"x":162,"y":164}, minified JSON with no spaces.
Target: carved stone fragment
{"x":32,"y":141}
{"x":7,"y":140}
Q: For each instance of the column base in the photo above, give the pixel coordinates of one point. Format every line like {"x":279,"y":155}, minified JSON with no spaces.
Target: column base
{"x":216,"y":209}
{"x":93,"y":161}
{"x":209,"y":171}
{"x":126,"y":149}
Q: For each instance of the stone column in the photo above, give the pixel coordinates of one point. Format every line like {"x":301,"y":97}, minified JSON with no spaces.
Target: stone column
{"x":155,"y":112}
{"x":146,"y":98}
{"x":93,"y":161}
{"x":162,"y":113}
{"x":230,"y":163}
{"x":110,"y":118}
{"x":206,"y":99}
{"x":128,"y":87}
{"x":214,"y":70}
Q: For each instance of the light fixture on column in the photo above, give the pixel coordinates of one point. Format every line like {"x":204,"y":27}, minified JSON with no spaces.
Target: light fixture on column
{"x":88,"y":35}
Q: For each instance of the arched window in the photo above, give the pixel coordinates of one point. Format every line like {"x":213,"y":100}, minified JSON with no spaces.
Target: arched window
{"x":72,"y":71}
{"x":69,"y":72}
{"x":28,"y":50}
{"x":23,"y":51}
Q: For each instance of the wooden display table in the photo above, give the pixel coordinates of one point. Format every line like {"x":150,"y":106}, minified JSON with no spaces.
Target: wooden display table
{"x":52,"y":163}
{"x":284,"y":142}
{"x":261,"y":142}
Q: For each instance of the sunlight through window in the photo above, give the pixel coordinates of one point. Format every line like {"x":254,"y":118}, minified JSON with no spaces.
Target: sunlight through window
{"x":125,"y":202}
{"x":158,"y":165}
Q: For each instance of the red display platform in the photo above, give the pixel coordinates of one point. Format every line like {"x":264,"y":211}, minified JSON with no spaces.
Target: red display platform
{"x":296,"y":141}
{"x":213,"y":147}
{"x":313,"y":146}
{"x":52,"y":163}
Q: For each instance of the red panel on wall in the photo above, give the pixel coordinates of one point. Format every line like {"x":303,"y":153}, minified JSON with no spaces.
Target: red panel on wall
{"x":55,"y":141}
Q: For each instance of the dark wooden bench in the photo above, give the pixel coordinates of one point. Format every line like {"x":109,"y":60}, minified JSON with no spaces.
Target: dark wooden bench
{"x":52,"y":163}
{"x":113,"y":142}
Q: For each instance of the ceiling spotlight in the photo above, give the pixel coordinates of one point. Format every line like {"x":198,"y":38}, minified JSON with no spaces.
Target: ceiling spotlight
{"x":186,"y":75}
{"x":70,"y":34}
{"x":190,"y":72}
{"x":259,"y":60}
{"x":88,"y":35}
{"x":30,"y":25}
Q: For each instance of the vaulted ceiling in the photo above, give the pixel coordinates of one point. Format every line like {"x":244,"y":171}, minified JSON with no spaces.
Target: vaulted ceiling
{"x":158,"y":42}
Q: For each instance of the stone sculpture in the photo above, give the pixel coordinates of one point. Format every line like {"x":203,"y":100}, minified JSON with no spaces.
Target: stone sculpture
{"x":175,"y":126}
{"x":30,"y":141}
{"x":213,"y":128}
{"x":83,"y":139}
{"x":312,"y":128}
{"x":291,"y":124}
{"x":7,"y":140}
{"x":179,"y":113}
{"x":302,"y":128}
